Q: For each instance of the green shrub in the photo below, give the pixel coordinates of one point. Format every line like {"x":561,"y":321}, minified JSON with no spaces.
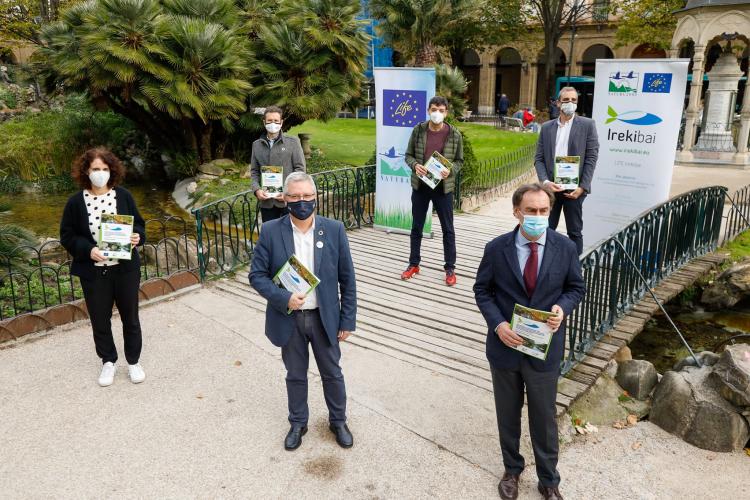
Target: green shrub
{"x":8,"y":97}
{"x":38,"y":146}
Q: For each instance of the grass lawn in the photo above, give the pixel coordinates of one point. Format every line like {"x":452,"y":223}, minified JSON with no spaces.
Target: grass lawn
{"x":353,"y":141}
{"x":739,"y":247}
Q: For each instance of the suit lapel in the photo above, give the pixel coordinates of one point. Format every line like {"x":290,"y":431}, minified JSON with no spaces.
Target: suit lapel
{"x":319,"y":237}
{"x":572,"y":142}
{"x":551,"y":145}
{"x":287,"y":236}
{"x":511,"y":255}
{"x":550,"y":254}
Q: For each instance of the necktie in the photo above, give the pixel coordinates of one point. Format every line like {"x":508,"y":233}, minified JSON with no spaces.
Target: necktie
{"x":530,"y":270}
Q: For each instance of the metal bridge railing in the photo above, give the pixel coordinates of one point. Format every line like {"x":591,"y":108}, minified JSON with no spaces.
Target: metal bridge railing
{"x":494,"y":172}
{"x":228,"y":228}
{"x":739,"y":213}
{"x":33,"y":278}
{"x":660,"y":241}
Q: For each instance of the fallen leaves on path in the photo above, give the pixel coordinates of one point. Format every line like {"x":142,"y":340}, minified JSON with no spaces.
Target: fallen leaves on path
{"x":238,"y":363}
{"x":631,"y":421}
{"x":636,"y":445}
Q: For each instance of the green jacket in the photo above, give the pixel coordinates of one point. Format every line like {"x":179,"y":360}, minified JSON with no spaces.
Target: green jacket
{"x":453,"y":150}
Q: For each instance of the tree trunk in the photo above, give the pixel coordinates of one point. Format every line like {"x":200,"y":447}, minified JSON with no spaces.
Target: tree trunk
{"x":426,"y":56}
{"x":205,"y":152}
{"x":548,"y":80}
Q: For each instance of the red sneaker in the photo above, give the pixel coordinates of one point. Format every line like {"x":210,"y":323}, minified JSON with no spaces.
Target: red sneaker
{"x":450,"y":277}
{"x":410,"y":272}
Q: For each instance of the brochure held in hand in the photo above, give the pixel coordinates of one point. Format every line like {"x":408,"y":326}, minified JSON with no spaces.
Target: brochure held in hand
{"x":296,"y":278}
{"x":435,"y":166}
{"x":272,"y":180}
{"x":114,"y":236}
{"x":567,"y":170}
{"x":531,"y":326}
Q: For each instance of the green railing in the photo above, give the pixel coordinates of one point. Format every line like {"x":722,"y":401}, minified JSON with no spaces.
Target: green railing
{"x":494,"y":172}
{"x":660,"y":241}
{"x":227,"y":229}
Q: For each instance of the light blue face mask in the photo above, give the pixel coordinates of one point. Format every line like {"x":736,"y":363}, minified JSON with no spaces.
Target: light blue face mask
{"x":535,"y":225}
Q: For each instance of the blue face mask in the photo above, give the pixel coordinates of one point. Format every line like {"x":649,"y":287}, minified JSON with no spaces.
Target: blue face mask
{"x":535,"y":225}
{"x":301,"y":209}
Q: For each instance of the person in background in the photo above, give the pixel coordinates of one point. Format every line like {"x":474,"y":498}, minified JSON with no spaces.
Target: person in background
{"x":554,"y":111}
{"x":278,"y":150}
{"x":503,"y":105}
{"x":105,"y":282}
{"x":528,"y":117}
{"x":568,"y":135}
{"x":426,"y":138}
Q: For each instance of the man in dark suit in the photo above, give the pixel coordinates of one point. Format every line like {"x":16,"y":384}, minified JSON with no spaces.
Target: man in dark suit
{"x":538,"y":268}
{"x":568,"y":135}
{"x":316,"y":318}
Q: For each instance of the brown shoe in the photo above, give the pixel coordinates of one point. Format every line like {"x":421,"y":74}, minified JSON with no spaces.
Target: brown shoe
{"x":508,"y":487}
{"x":550,"y":493}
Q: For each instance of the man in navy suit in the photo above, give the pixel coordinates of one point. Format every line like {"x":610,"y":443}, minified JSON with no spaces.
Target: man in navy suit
{"x":535,"y":267}
{"x":317,"y":318}
{"x":568,"y":135}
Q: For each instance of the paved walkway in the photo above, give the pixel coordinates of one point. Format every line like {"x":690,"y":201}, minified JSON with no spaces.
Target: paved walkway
{"x":210,"y":419}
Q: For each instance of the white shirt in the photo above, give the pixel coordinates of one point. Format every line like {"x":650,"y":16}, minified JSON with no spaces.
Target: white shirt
{"x":563,"y":136}
{"x":304,"y":249}
{"x":95,"y":207}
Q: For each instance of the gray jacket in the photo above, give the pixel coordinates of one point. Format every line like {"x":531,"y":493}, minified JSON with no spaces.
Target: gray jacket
{"x":583,"y":142}
{"x":286,"y":152}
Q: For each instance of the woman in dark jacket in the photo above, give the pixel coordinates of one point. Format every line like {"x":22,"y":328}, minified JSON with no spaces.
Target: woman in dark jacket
{"x":105,"y":282}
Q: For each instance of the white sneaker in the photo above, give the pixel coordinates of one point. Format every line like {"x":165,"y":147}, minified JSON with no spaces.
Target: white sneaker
{"x":108,"y":374}
{"x":137,"y":375}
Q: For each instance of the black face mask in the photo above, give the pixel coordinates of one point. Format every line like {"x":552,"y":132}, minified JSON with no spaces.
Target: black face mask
{"x":302,"y":209}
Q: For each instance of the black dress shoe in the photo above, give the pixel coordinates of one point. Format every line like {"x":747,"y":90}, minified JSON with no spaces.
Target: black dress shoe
{"x":508,"y":486}
{"x":550,"y":493}
{"x":343,"y":436}
{"x":294,"y":438}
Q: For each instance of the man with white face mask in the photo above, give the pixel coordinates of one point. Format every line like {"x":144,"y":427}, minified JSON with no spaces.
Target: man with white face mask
{"x":274,"y":149}
{"x":568,"y":135}
{"x":426,"y":138}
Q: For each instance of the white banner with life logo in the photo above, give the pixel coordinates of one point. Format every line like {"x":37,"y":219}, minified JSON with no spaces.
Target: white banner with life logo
{"x":402,"y":95}
{"x":637,"y":109}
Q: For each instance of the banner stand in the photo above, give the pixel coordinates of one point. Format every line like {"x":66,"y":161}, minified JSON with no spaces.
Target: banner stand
{"x":638,"y":107}
{"x":401,"y":96}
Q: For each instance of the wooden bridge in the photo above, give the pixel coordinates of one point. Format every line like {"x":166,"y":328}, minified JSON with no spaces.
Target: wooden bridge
{"x":424,"y":322}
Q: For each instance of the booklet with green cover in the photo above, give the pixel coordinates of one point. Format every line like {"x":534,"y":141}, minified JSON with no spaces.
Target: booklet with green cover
{"x":435,"y":166}
{"x":272,"y":180}
{"x":567,"y":171}
{"x":531,"y":326}
{"x":114,"y":236}
{"x":295,"y":277}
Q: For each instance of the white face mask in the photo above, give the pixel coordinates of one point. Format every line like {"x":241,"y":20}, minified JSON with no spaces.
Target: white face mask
{"x":568,"y":108}
{"x":273,"y":128}
{"x":437,"y":117}
{"x":99,"y":178}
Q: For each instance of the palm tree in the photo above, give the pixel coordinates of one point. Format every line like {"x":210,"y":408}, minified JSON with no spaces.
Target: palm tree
{"x":451,"y":84}
{"x":411,"y":26}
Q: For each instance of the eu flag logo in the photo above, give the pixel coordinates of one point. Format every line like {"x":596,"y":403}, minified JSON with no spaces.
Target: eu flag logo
{"x":403,"y":108}
{"x":657,"y":83}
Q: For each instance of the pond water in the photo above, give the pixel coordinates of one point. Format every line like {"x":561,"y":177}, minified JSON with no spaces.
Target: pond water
{"x":703,"y":330}
{"x":41,"y":213}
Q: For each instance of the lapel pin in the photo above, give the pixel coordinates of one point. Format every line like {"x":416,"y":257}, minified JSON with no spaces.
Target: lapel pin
{"x":319,"y":244}
{"x":320,"y":233}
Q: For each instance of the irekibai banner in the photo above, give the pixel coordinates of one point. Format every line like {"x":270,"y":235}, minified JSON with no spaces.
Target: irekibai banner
{"x":637,"y":109}
{"x":402,"y":95}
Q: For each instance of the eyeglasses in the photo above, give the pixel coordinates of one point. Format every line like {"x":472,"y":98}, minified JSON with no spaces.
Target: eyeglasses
{"x":298,"y":197}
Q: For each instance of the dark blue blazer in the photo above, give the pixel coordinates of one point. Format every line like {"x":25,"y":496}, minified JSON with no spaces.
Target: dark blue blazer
{"x":333,"y":265}
{"x":499,"y":286}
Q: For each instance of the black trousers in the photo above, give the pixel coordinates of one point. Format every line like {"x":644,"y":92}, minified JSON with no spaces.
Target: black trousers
{"x":573,"y":210}
{"x":308,"y":329}
{"x":541,"y":392}
{"x":443,"y":203}
{"x":111,"y":287}
{"x":272,"y":213}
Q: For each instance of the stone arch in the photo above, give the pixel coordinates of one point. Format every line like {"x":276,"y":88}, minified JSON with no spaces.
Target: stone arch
{"x":728,"y":22}
{"x":687,"y":29}
{"x":646,"y":51}
{"x":508,"y":64}
{"x":470,"y":66}
{"x":591,"y":53}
